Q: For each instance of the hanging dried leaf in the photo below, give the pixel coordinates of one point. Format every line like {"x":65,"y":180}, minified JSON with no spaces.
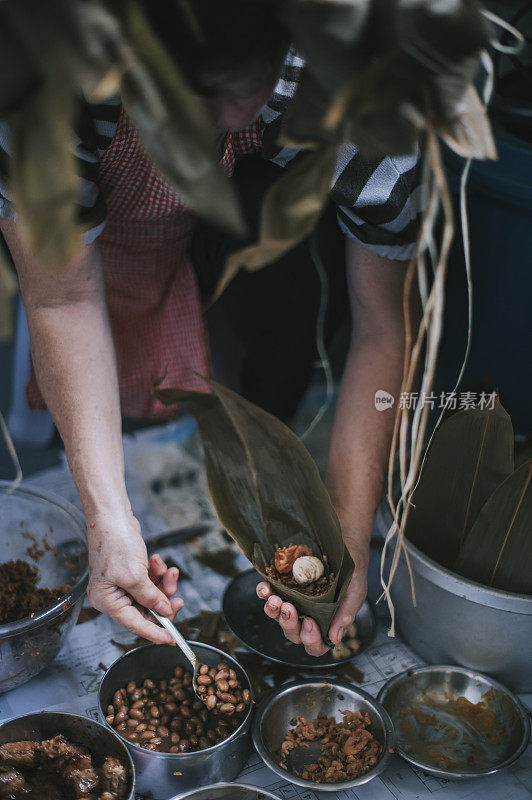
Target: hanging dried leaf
{"x":473,"y":450}
{"x":174,"y":128}
{"x":266,"y":490}
{"x":43,"y":179}
{"x":498,"y":549}
{"x":290,"y":210}
{"x":466,"y":128}
{"x":385,"y":70}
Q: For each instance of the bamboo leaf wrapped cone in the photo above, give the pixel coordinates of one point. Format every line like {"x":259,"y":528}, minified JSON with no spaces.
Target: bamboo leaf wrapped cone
{"x":267,"y":492}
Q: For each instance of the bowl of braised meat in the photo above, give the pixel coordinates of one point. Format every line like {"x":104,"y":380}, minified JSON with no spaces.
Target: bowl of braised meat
{"x":55,"y":756}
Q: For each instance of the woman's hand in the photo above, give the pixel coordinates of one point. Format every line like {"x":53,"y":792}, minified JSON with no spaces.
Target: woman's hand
{"x":120,"y":576}
{"x":305,"y":631}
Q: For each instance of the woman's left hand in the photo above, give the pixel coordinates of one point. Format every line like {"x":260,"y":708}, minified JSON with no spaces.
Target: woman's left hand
{"x":305,"y":631}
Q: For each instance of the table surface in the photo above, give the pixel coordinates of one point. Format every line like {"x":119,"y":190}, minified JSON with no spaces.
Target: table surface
{"x":167,"y":488}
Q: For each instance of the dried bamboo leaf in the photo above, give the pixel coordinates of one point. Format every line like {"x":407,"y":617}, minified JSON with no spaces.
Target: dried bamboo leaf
{"x":470,"y":456}
{"x":467,"y":129}
{"x":266,"y":490}
{"x":290,"y":210}
{"x":175,"y":130}
{"x":498,"y":549}
{"x":43,"y":179}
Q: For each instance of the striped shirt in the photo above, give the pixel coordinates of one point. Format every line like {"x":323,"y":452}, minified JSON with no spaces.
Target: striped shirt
{"x":379,"y":202}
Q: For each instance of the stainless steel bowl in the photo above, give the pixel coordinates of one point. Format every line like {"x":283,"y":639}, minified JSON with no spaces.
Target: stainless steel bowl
{"x":228,"y":791}
{"x":308,"y":698}
{"x":431,"y":734}
{"x":458,"y":621}
{"x":30,"y":644}
{"x":87,"y":733}
{"x":163,"y":775}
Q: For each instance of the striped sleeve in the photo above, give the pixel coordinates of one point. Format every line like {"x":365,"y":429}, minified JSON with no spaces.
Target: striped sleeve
{"x":94,"y":130}
{"x":379,"y":202}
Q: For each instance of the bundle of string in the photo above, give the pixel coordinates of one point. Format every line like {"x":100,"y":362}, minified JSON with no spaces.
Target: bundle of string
{"x":409,"y":431}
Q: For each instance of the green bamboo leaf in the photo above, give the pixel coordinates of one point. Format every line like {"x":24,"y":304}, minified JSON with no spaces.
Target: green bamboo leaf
{"x":498,"y":549}
{"x":470,"y":455}
{"x":266,"y":490}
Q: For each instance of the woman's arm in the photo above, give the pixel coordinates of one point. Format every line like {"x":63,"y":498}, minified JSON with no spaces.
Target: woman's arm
{"x":74,"y":359}
{"x":361,"y":436}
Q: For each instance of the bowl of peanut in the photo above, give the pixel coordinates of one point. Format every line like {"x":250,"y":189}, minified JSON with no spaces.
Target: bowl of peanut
{"x":179,"y":740}
{"x":323,"y":736}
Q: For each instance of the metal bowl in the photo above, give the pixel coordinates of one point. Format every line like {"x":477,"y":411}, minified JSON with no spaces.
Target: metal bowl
{"x":441,"y":740}
{"x":228,"y":791}
{"x":458,"y":621}
{"x":162,"y":775}
{"x":245,"y":617}
{"x":97,"y":739}
{"x":30,"y":644}
{"x":308,"y":698}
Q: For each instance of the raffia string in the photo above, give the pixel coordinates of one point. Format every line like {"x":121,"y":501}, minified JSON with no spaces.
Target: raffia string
{"x":412,"y":431}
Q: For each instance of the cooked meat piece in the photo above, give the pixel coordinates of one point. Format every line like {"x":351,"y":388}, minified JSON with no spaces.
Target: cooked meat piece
{"x":106,"y":796}
{"x":61,"y":752}
{"x":114,"y":777}
{"x":83,"y":781}
{"x":19,"y":754}
{"x":13,"y":785}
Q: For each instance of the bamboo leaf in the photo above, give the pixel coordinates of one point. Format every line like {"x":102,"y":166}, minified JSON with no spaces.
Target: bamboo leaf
{"x":43,"y":179}
{"x":498,"y":549}
{"x":266,"y":490}
{"x":466,"y":128}
{"x":470,"y":455}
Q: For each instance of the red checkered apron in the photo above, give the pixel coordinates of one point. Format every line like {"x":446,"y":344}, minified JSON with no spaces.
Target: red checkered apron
{"x":154,"y":305}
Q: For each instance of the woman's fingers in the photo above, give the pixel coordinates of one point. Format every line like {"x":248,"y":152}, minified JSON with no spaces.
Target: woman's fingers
{"x":286,"y":614}
{"x":289,"y":622}
{"x":120,"y":607}
{"x":311,"y":638}
{"x":165,"y":578}
{"x":273,"y":607}
{"x":169,"y":582}
{"x":156,"y":568}
{"x":263,"y":590}
{"x":147,"y":594}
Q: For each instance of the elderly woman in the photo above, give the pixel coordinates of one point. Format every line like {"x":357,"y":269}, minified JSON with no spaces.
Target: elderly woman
{"x":128,"y":308}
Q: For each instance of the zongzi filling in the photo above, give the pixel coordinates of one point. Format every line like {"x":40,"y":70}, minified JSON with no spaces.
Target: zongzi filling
{"x":297,"y":567}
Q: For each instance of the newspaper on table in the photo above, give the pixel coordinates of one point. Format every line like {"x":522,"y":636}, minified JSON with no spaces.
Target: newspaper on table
{"x":167,"y":488}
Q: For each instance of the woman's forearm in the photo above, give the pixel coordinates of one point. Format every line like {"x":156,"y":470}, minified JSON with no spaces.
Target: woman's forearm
{"x":73,"y":356}
{"x":360,"y":441}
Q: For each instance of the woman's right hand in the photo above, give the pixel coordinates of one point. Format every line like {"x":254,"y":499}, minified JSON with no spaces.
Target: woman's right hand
{"x":121,"y":579}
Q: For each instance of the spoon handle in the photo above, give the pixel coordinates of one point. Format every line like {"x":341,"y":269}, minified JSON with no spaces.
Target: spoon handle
{"x":180,"y":641}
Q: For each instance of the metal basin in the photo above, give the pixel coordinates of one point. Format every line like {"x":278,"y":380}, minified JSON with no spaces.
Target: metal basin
{"x":462,"y":622}
{"x":439,"y":732}
{"x":28,"y":645}
{"x":163,"y":775}
{"x":308,"y":698}
{"x":97,"y":739}
{"x":228,"y":791}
